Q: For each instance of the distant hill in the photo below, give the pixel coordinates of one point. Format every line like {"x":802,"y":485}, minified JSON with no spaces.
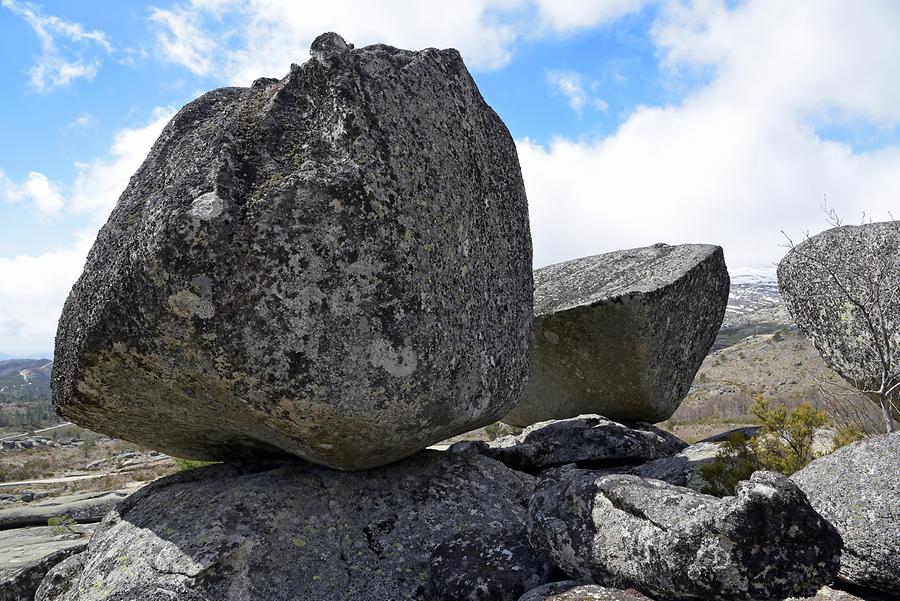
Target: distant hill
{"x":22,"y":379}
{"x":760,"y":351}
{"x":25,"y":393}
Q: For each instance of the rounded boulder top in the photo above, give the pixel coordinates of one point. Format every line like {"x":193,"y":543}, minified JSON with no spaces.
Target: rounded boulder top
{"x":336,"y":264}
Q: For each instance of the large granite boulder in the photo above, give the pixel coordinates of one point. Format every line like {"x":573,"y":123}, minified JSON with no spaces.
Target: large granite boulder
{"x":857,"y":489}
{"x":840,"y":287}
{"x":336,"y":264}
{"x":286,"y":530}
{"x":586,"y":440}
{"x":674,"y":543}
{"x":622,"y":334}
{"x":27,"y":554}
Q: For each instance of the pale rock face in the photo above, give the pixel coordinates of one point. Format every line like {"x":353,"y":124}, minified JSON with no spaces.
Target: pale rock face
{"x":622,"y":334}
{"x":625,"y":531}
{"x":857,"y":489}
{"x":822,"y":277}
{"x":336,"y":265}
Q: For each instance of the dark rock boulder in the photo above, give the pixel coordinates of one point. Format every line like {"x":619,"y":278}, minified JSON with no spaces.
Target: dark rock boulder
{"x":571,"y":590}
{"x":681,"y":469}
{"x":857,"y":489}
{"x":336,"y":265}
{"x":497,"y":566}
{"x":587,"y":440}
{"x":284,"y":530}
{"x":622,"y":334}
{"x":674,"y":543}
{"x":840,"y":287}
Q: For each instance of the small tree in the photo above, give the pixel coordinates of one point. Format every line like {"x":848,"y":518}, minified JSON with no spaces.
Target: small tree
{"x":868,"y":282}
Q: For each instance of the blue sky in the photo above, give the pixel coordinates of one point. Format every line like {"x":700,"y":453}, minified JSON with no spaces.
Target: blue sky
{"x":637,"y":121}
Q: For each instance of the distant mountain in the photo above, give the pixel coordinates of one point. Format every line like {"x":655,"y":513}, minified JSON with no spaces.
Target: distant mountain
{"x":24,"y":379}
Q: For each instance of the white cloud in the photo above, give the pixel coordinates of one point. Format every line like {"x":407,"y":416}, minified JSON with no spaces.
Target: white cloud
{"x":52,"y":69}
{"x":82,"y":121}
{"x":568,"y":15}
{"x":571,"y":85}
{"x":34,"y":288}
{"x":99,"y":183}
{"x":274,"y":33}
{"x":739,"y":159}
{"x":181,"y":41}
{"x":37,"y":189}
{"x":32,"y":292}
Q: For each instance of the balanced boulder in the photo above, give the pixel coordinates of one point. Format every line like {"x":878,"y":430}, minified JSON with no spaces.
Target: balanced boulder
{"x":857,"y":489}
{"x":336,"y":264}
{"x":285,"y":530}
{"x":840,"y":286}
{"x":674,"y":543}
{"x":622,"y":334}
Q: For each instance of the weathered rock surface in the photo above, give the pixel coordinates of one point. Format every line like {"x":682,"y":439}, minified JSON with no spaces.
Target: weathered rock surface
{"x":26,"y":554}
{"x":289,"y":530}
{"x":824,"y":281}
{"x":571,"y":590}
{"x":826,"y":593}
{"x":82,"y":507}
{"x":588,"y":440}
{"x":622,"y":334}
{"x":674,"y":543}
{"x":857,"y":489}
{"x":499,"y":566}
{"x":682,"y":469}
{"x":336,"y":264}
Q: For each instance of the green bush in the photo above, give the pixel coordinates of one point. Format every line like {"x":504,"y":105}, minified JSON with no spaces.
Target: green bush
{"x":190,"y":464}
{"x":62,"y":524}
{"x":784,"y":444}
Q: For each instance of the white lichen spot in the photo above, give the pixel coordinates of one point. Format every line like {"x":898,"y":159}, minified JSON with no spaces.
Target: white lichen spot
{"x":397,"y":362}
{"x":207,"y":206}
{"x":186,"y":304}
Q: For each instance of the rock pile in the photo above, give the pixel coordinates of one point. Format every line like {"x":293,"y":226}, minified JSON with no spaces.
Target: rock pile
{"x":626,"y":531}
{"x":622,"y":334}
{"x":332,"y":271}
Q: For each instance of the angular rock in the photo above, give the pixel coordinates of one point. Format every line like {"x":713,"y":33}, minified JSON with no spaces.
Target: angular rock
{"x":82,"y":507}
{"x":826,"y":593}
{"x":588,"y":440}
{"x":825,"y":281}
{"x":499,"y":566}
{"x":857,"y":489}
{"x":283,"y":530}
{"x":571,"y":590}
{"x":674,"y":543}
{"x":622,"y":334}
{"x":682,"y":469}
{"x":336,"y":265}
{"x":26,"y":554}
